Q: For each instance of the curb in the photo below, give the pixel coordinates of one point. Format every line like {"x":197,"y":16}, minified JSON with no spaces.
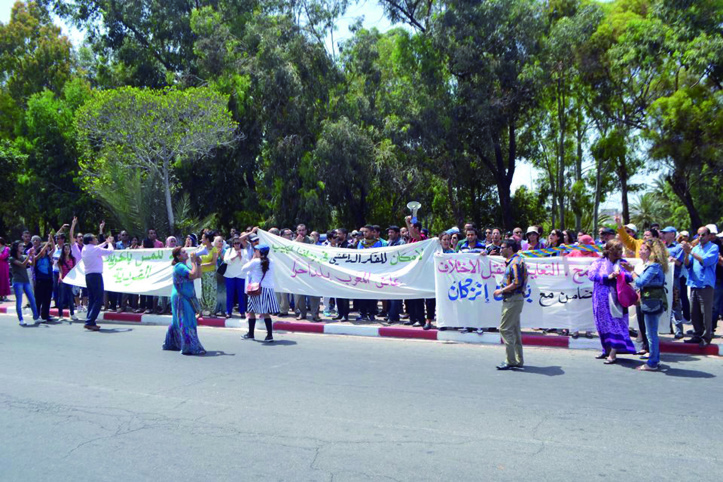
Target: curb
{"x":448,"y":336}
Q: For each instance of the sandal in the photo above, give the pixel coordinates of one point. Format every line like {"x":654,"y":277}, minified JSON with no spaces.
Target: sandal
{"x":575,"y":335}
{"x":601,"y":356}
{"x":647,"y":368}
{"x":588,"y":335}
{"x":645,"y":357}
{"x":610,"y":361}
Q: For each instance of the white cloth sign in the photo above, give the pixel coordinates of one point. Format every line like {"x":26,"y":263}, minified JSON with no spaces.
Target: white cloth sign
{"x":558,"y":293}
{"x":142,"y":271}
{"x":399,"y":272}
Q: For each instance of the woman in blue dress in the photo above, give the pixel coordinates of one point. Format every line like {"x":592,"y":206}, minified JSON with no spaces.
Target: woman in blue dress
{"x":182,"y":335}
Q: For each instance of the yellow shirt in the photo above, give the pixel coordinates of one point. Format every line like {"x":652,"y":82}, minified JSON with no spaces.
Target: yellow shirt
{"x":207,"y":258}
{"x":629,"y":242}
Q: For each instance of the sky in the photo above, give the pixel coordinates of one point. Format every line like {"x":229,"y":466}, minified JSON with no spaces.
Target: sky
{"x":373,"y":15}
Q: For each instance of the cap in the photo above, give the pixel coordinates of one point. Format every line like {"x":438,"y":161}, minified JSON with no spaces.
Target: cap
{"x":669,"y":229}
{"x":263,"y":248}
{"x":532,"y":229}
{"x":712,"y":228}
{"x":685,"y":233}
{"x":632,"y":227}
{"x":253,"y":238}
{"x":608,"y":231}
{"x":454,"y":230}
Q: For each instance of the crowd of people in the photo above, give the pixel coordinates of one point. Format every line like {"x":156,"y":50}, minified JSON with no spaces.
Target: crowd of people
{"x":237,"y":277}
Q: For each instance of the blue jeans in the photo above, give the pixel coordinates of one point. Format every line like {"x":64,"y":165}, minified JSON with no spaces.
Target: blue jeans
{"x":94,"y":282}
{"x":651,"y":329}
{"x":65,"y":299}
{"x":235,"y":288}
{"x":19,"y":288}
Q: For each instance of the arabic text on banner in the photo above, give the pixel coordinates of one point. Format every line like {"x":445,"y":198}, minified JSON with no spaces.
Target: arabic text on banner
{"x":399,"y":272}
{"x":558,"y":293}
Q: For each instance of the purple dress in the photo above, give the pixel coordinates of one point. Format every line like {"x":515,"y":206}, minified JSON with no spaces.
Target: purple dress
{"x":613,"y":331}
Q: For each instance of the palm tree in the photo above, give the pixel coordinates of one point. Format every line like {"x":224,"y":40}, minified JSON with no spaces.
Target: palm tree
{"x":647,"y":210}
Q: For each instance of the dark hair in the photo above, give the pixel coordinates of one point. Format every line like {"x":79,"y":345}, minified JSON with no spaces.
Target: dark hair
{"x":474,"y":230}
{"x":176,"y":254}
{"x":88,"y":239}
{"x":610,"y":246}
{"x":369,"y":227}
{"x":151,"y":229}
{"x":14,"y":248}
{"x":654,"y":233}
{"x":417,"y":225}
{"x":60,"y":236}
{"x":63,"y":258}
{"x":342,"y":230}
{"x":512,"y":244}
{"x":559,"y":236}
{"x":570,"y":234}
{"x":264,"y":262}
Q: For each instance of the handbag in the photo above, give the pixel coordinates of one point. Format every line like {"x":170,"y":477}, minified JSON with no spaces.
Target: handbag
{"x":653,"y":299}
{"x":222,"y":268}
{"x":627,"y":296}
{"x":254,"y":289}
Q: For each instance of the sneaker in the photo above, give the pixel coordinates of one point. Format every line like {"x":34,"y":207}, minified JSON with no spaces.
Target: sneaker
{"x":678,"y":336}
{"x":428,"y":326}
{"x":73,"y":317}
{"x":362,"y":318}
{"x":269,"y":339}
{"x":248,"y":336}
{"x":417,"y":324}
{"x":22,"y":323}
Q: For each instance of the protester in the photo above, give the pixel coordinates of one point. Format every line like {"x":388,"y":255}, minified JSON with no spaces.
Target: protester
{"x":182,"y":334}
{"x":532,"y":237}
{"x":301,"y":300}
{"x":19,"y":263}
{"x":235,"y":258}
{"x":676,"y":256}
{"x":585,"y":240}
{"x":471,"y":244}
{"x":92,"y":256}
{"x":494,"y":248}
{"x":157,"y":243}
{"x":611,"y":319}
{"x":209,"y":290}
{"x":627,"y":235}
{"x":415,"y":306}
{"x":701,"y":261}
{"x":569,"y":237}
{"x":555,"y":240}
{"x":43,"y":272}
{"x":66,"y":262}
{"x":651,"y":283}
{"x":4,"y":270}
{"x":259,"y":273}
{"x":512,"y":292}
{"x":342,"y":304}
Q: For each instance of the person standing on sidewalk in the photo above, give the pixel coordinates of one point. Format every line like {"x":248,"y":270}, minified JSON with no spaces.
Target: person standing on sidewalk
{"x":92,"y":256}
{"x":701,"y":262}
{"x":512,"y":293}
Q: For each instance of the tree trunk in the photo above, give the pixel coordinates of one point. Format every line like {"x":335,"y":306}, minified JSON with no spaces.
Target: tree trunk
{"x":623,"y":177}
{"x":561,"y":150}
{"x":596,"y":207}
{"x":680,"y":187}
{"x":169,"y":204}
{"x":578,"y":163}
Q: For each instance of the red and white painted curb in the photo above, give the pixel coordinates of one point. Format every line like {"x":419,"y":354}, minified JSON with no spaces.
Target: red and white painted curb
{"x":451,"y":336}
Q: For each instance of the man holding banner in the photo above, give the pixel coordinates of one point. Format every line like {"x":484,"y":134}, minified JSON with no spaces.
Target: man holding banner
{"x":512,"y":289}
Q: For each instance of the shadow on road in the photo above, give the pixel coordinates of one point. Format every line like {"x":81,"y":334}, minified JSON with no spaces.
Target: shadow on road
{"x":547,"y":371}
{"x":115,"y":330}
{"x":212,"y":353}
{"x":682,"y":373}
{"x":281,"y":343}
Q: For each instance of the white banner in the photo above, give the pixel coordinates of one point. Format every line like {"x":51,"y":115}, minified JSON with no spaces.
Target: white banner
{"x":400,"y":272}
{"x":142,"y":271}
{"x":558,"y":294}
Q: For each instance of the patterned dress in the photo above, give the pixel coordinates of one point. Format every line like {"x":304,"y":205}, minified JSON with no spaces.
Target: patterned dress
{"x":181,"y":335}
{"x":613,"y":331}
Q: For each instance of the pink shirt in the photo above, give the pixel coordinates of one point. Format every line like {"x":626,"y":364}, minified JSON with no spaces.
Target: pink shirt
{"x":93,"y":257}
{"x":158,"y":243}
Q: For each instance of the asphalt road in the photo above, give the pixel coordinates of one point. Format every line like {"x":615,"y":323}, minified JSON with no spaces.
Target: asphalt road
{"x":80,"y":406}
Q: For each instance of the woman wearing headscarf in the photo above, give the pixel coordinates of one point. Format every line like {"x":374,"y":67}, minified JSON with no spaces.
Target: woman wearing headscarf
{"x":611,"y":319}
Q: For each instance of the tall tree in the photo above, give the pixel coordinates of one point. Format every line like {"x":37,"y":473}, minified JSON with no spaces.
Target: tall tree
{"x":151,"y":131}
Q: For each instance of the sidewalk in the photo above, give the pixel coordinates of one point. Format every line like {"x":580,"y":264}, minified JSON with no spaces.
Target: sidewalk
{"x":328,"y":327}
